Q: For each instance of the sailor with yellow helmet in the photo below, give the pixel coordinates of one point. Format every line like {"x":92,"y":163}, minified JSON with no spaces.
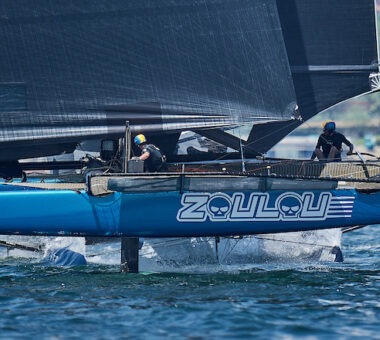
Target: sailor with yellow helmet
{"x":154,"y":160}
{"x":331,"y":143}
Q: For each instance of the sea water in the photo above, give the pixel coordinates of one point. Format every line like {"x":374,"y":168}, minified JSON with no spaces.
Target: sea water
{"x":273,"y":299}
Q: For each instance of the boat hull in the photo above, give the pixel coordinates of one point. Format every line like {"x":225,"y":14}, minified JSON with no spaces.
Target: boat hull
{"x":174,"y":214}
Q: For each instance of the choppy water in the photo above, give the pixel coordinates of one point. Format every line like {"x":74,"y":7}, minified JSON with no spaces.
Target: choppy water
{"x":271,"y":300}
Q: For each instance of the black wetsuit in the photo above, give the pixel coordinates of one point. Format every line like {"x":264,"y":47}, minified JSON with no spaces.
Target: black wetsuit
{"x":156,"y":161}
{"x":327,"y":141}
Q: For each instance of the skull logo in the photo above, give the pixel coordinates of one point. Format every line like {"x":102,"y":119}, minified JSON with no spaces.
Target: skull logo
{"x":290,"y":206}
{"x":218,"y":207}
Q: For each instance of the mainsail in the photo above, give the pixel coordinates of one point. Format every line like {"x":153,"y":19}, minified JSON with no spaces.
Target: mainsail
{"x":79,"y":70}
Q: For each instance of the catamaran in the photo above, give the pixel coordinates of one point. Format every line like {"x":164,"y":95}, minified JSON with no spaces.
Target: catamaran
{"x":93,"y":74}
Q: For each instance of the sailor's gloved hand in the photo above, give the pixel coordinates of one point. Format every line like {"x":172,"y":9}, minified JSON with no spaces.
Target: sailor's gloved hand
{"x":349,"y":153}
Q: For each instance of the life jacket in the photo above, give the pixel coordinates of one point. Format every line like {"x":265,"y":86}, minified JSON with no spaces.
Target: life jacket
{"x":156,"y":161}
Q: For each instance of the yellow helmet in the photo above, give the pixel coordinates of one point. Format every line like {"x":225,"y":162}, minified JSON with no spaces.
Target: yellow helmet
{"x":140,"y":139}
{"x":328,"y":125}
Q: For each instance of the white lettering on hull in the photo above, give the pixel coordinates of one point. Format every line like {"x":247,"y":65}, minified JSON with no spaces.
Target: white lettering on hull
{"x":289,"y":206}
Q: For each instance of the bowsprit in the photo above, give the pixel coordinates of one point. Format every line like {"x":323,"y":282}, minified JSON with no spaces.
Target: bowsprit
{"x":288,"y":206}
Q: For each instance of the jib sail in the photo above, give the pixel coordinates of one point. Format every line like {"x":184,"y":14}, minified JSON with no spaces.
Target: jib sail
{"x":332,"y":50}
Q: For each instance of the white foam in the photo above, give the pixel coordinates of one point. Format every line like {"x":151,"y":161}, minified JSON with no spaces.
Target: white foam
{"x":44,"y":243}
{"x":199,"y":254}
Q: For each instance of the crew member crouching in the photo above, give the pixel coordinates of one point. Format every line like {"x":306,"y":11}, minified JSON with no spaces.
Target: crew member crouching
{"x":331,"y":143}
{"x":154,"y":160}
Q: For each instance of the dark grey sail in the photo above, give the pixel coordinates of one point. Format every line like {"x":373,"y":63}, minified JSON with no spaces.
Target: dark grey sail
{"x":332,"y":50}
{"x":72,"y":71}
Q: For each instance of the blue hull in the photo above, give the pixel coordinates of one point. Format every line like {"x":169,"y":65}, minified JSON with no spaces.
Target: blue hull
{"x":65,"y":212}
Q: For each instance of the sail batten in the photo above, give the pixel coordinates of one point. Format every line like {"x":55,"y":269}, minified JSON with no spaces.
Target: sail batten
{"x":333,"y":68}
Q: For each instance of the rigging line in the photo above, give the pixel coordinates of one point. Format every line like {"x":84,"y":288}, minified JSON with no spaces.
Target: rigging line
{"x":305,"y":162}
{"x":224,"y":249}
{"x":105,"y":253}
{"x":283,"y":162}
{"x":347,"y":229}
{"x":270,"y":134}
{"x":360,"y":171}
{"x":232,"y":248}
{"x":324,"y":178}
{"x":248,"y":144}
{"x":350,"y":174}
{"x":302,"y":167}
{"x":295,"y":242}
{"x":241,"y":152}
{"x":369,"y":154}
{"x":20,"y":247}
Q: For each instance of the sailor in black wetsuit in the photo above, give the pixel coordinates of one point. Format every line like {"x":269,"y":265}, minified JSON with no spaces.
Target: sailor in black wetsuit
{"x":154,"y":160}
{"x":331,"y":143}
